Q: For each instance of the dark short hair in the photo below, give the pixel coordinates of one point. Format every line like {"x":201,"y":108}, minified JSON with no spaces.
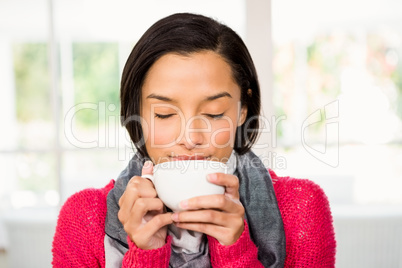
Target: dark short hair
{"x":183,"y":34}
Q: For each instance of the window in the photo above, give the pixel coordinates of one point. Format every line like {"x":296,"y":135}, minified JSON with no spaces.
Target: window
{"x":336,"y":82}
{"x":337,"y":78}
{"x":60,"y":69}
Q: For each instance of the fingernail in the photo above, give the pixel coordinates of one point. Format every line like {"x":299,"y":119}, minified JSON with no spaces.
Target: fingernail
{"x":148,"y":164}
{"x":212,"y":177}
{"x":184,"y":204}
{"x":175,"y":217}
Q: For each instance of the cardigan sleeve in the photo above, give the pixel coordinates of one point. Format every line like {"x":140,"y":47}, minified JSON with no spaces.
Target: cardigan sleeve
{"x":243,"y":253}
{"x":151,"y":258}
{"x":79,"y":236}
{"x":308,"y":223}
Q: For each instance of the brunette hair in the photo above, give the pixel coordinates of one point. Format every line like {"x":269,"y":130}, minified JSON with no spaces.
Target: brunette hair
{"x":183,"y":34}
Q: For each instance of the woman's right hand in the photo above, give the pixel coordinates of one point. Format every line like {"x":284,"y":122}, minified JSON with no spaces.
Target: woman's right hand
{"x":142,"y":213}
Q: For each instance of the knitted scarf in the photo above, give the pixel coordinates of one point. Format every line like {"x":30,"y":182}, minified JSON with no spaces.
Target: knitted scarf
{"x":256,"y":194}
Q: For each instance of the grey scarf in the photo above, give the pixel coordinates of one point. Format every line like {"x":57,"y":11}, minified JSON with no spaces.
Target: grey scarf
{"x":256,"y":194}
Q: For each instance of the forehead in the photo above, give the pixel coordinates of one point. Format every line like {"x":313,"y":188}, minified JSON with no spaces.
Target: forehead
{"x":201,"y":73}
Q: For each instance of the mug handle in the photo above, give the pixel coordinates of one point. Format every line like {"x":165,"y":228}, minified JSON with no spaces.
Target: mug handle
{"x":148,"y":176}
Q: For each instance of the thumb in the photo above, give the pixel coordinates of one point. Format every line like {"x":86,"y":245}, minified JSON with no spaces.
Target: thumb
{"x":148,"y":168}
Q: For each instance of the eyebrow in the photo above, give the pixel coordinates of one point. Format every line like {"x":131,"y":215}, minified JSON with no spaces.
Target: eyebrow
{"x":209,"y":98}
{"x":159,"y":97}
{"x":219,"y":95}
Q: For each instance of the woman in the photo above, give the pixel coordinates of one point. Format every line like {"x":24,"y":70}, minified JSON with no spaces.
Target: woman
{"x":189,"y":90}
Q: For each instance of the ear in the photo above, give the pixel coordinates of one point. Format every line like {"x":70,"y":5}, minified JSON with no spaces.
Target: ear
{"x":243,"y":115}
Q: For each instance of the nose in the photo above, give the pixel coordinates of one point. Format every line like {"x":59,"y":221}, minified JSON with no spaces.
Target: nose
{"x":194,"y":133}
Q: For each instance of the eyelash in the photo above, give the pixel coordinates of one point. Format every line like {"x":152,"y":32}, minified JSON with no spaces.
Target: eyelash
{"x":165,"y":116}
{"x":215,"y":116}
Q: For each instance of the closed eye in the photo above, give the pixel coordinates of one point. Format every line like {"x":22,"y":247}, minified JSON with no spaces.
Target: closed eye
{"x":163,"y":116}
{"x":215,"y":116}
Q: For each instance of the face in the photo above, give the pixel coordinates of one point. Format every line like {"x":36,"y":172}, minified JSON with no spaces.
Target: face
{"x":190,"y":108}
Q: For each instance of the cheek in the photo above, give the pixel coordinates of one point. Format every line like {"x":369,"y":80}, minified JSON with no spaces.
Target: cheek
{"x":223,"y":135}
{"x":161,"y":134}
{"x":223,"y":138}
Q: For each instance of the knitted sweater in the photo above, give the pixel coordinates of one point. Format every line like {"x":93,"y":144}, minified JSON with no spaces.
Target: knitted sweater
{"x":310,"y":239}
{"x":307,"y":220}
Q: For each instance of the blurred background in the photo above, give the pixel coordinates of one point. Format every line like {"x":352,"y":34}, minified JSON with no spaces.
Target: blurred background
{"x":331,"y":79}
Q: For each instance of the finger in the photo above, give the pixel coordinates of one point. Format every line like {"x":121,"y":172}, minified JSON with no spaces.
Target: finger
{"x":137,"y":227}
{"x":141,"y":186}
{"x":206,"y":216}
{"x":149,"y":230}
{"x":208,"y":229}
{"x":126,"y":201}
{"x":156,"y":223}
{"x":144,"y":205}
{"x":222,"y":234}
{"x":137,"y":187}
{"x":225,"y":236}
{"x":219,"y":202}
{"x":131,"y":190}
{"x":148,"y":168}
{"x":230,"y":182}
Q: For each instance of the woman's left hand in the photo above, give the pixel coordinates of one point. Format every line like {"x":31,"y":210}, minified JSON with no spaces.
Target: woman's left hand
{"x":219,"y":216}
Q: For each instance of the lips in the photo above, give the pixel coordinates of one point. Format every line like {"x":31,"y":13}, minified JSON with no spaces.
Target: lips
{"x":188,"y":157}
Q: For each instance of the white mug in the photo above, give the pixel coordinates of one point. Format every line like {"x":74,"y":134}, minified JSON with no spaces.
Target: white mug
{"x":176,"y":181}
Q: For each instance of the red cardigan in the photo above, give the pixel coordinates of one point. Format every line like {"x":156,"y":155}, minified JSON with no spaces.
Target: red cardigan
{"x":310,"y":238}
